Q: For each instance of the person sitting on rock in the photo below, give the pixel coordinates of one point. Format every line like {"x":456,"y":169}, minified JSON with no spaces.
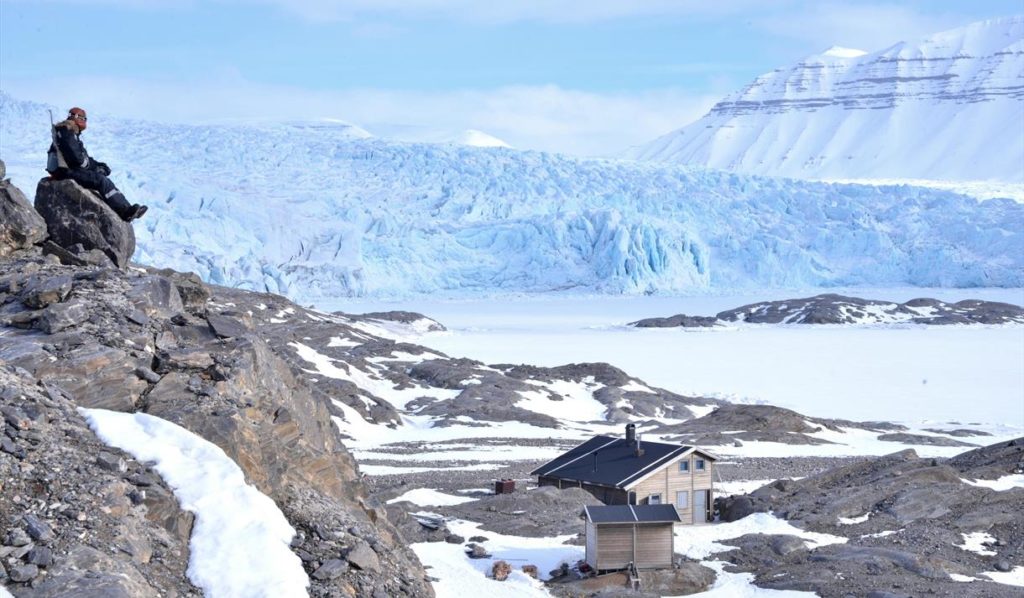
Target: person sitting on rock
{"x":67,"y":159}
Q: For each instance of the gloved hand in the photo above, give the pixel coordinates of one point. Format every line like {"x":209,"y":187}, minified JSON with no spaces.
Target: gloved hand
{"x":103,"y":168}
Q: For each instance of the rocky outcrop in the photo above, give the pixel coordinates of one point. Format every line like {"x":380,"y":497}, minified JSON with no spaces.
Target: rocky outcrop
{"x":20,"y":225}
{"x":79,"y":518}
{"x":905,"y":518}
{"x":168,"y":345}
{"x":838,"y":309}
{"x":731,"y":423}
{"x":81,"y":223}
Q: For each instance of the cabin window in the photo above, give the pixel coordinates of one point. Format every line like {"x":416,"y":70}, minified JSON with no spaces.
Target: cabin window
{"x":654,"y":499}
{"x":684,"y":465}
{"x":683,"y":499}
{"x":700,"y":464}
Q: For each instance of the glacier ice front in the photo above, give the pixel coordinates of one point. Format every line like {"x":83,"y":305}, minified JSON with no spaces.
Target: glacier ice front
{"x":313,"y":214}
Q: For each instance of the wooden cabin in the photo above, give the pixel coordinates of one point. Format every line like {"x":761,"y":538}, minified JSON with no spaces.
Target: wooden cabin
{"x":627,"y":471}
{"x":619,"y":535}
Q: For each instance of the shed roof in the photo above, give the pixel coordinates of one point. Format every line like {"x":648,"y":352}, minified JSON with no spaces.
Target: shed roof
{"x":632,"y":514}
{"x":608,"y":461}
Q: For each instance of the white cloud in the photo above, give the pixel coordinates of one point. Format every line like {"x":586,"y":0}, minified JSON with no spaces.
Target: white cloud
{"x":545,"y":118}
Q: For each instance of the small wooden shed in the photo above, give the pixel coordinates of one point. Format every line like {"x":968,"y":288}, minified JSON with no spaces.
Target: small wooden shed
{"x":618,"y":535}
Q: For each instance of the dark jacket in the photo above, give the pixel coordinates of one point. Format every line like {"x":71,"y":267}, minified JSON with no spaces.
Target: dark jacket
{"x":67,"y":152}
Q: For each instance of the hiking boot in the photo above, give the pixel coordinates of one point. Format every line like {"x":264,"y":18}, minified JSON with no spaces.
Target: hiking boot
{"x":135,"y":212}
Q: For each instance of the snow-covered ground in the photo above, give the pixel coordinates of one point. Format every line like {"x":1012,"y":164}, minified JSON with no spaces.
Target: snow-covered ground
{"x":922,"y":375}
{"x":240,"y":540}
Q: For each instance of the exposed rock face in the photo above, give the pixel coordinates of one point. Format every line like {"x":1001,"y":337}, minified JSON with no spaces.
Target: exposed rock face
{"x":837,"y":309}
{"x":20,"y":225}
{"x":81,"y":527}
{"x":905,"y":517}
{"x":134,"y":341}
{"x":79,"y":221}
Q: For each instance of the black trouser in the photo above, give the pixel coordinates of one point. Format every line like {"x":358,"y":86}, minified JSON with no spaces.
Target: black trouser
{"x":91,"y":179}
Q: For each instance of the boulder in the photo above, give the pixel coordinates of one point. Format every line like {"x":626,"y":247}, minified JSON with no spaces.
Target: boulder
{"x":156,"y":296}
{"x":76,"y":216}
{"x":190,"y":287}
{"x":363,"y":557}
{"x":20,"y":225}
{"x":501,"y":570}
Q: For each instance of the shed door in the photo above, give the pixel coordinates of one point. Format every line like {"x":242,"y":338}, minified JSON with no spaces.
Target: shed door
{"x":700,"y":506}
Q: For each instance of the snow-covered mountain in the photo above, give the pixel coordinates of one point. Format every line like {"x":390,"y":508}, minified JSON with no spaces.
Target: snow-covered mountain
{"x":312,"y":214}
{"x":950,"y":107}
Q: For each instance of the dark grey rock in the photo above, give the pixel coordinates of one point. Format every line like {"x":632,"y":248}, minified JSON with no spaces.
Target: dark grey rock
{"x":74,"y":215}
{"x":12,"y":448}
{"x":15,"y":417}
{"x":783,"y":545}
{"x":111,"y":462}
{"x":147,"y":374}
{"x":679,"y":320}
{"x":331,"y":569}
{"x":403,"y":317}
{"x":156,"y":296}
{"x":20,"y":225}
{"x":61,"y":316}
{"x":905,"y":438}
{"x":22,"y":573}
{"x":40,"y":556}
{"x":1003,"y":565}
{"x":138,"y":316}
{"x":454,"y":539}
{"x":38,"y":529}
{"x":225,"y":326}
{"x":41,"y":291}
{"x":475,"y":551}
{"x":363,"y":557}
{"x":17,"y":537}
{"x":191,"y":289}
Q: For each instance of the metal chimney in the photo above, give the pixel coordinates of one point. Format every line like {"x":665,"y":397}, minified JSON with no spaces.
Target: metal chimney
{"x":630,"y":432}
{"x":638,"y":451}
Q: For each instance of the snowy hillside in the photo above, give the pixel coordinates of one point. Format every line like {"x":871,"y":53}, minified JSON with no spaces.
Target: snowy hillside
{"x":950,"y":107}
{"x":313,"y":214}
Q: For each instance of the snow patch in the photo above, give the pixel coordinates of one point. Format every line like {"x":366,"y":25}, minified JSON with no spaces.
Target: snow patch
{"x":1004,"y":483}
{"x":240,"y":540}
{"x":854,"y":520}
{"x":975,"y":542}
{"x":1010,"y":578}
{"x":427,"y":497}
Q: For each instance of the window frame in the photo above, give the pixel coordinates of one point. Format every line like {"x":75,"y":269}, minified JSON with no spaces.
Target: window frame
{"x":700,"y":465}
{"x":650,"y":498}
{"x":684,"y":466}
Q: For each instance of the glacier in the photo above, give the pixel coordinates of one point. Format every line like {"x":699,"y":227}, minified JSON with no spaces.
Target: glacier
{"x":320,"y":211}
{"x":946,"y":108}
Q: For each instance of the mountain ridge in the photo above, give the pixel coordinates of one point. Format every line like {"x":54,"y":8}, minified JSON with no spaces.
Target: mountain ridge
{"x":943,"y":108}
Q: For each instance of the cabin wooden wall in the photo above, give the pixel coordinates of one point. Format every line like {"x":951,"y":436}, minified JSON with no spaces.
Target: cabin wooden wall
{"x":668,"y":480}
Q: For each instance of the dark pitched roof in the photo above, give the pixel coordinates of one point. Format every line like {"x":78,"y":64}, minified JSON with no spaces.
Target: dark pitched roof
{"x":632,"y":514}
{"x":608,"y":461}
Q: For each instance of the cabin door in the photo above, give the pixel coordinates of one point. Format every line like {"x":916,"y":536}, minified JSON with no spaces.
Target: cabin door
{"x":700,"y":506}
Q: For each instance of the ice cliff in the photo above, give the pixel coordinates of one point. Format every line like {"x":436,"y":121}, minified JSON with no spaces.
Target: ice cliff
{"x":315,"y":212}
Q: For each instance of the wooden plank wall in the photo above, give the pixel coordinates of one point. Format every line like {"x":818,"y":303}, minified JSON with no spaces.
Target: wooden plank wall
{"x":614,"y":546}
{"x":669,"y":480}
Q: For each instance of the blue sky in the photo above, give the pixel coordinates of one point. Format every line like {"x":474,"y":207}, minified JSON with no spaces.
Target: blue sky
{"x":586,"y":77}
